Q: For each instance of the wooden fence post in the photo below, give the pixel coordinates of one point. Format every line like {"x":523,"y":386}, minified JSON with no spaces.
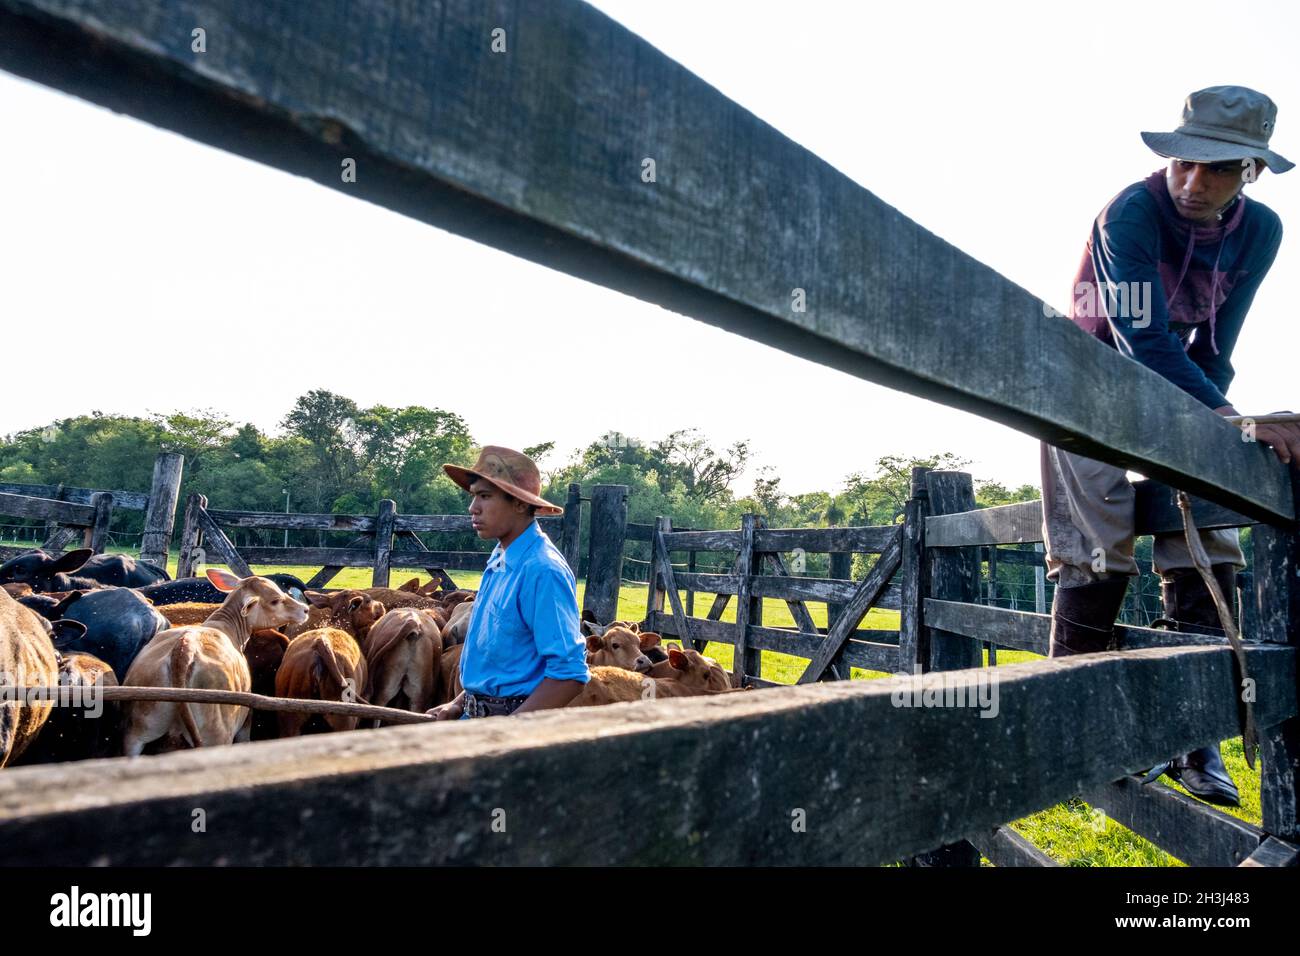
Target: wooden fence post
{"x":954,"y":576}
{"x":749,"y":609}
{"x":913,"y":639}
{"x":384,"y":525}
{"x":571,"y":536}
{"x":654,"y":597}
{"x":842,"y":569}
{"x":1276,"y":620}
{"x":191,"y":532}
{"x":160,"y":518}
{"x":608,"y":532}
{"x":954,"y":572}
{"x":96,"y":536}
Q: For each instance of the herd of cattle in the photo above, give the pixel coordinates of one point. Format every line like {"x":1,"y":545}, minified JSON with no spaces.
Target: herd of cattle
{"x":83,"y":620}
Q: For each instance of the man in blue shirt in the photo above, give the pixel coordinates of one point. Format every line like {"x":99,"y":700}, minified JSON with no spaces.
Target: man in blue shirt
{"x":524,"y":649}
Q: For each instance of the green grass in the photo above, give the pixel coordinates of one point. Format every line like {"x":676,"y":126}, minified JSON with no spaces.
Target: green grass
{"x":1069,"y":832}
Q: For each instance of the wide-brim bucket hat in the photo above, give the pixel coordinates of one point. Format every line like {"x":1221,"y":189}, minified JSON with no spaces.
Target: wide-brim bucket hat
{"x":511,"y":471}
{"x":1221,"y":124}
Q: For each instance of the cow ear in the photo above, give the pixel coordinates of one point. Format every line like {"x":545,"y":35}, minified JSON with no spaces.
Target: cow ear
{"x":588,"y":616}
{"x":67,"y":563}
{"x":68,"y":630}
{"x":594,"y":644}
{"x":249,"y":601}
{"x":648,"y":639}
{"x":411,"y":585}
{"x":634,"y":627}
{"x":678,"y":660}
{"x":316,"y":598}
{"x":355,"y":602}
{"x":222,"y":580}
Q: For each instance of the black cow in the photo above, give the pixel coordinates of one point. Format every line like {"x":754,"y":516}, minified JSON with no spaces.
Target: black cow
{"x":202,"y":591}
{"x":119,"y":622}
{"x":44,"y":572}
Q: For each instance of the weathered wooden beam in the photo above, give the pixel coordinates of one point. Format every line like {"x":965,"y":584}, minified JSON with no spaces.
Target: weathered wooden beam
{"x":1028,"y":631}
{"x":96,"y":536}
{"x":953,"y":574}
{"x":1005,"y":847}
{"x":581,"y":170}
{"x":219,"y":548}
{"x":740,"y":765}
{"x":605,"y":551}
{"x":160,"y":517}
{"x":913,"y":638}
{"x":383,"y":543}
{"x":1274,"y":852}
{"x":1155,"y":511}
{"x":282,"y":521}
{"x":62,"y":512}
{"x":1182,"y":826}
{"x":129,"y":500}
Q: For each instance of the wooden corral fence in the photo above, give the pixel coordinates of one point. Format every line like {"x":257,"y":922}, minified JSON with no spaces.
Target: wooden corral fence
{"x":84,"y":513}
{"x":550,"y":163}
{"x":388,"y":540}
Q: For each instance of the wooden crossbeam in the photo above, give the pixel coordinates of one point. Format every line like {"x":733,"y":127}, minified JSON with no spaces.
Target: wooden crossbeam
{"x":424,"y":788}
{"x":557,"y":166}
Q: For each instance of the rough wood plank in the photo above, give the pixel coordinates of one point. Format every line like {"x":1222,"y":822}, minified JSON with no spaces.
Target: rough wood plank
{"x":1155,"y":510}
{"x":128,"y":500}
{"x":1005,"y":847}
{"x":798,"y":610}
{"x":96,"y":536}
{"x":191,"y":533}
{"x":913,"y":639}
{"x":220,"y":549}
{"x":605,"y":551}
{"x":383,"y":543}
{"x":283,"y":521}
{"x":539,"y":162}
{"x":1182,"y":826}
{"x":1028,"y":631}
{"x":160,"y":517}
{"x":745,"y":660}
{"x":63,"y":512}
{"x":61,"y":536}
{"x":425,"y":794}
{"x":1274,"y":852}
{"x":953,"y":573}
{"x":571,"y":535}
{"x":324,"y":576}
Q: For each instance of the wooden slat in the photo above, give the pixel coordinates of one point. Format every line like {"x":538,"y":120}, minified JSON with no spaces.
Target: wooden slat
{"x":536,"y":161}
{"x":1155,"y":511}
{"x":1027,"y":631}
{"x":128,"y":500}
{"x":424,"y":788}
{"x":744,"y":660}
{"x":63,"y":512}
{"x":1182,"y":826}
{"x":851,"y":540}
{"x":1274,"y":852}
{"x":670,"y":586}
{"x":1005,"y":847}
{"x":220,"y":549}
{"x":282,"y":521}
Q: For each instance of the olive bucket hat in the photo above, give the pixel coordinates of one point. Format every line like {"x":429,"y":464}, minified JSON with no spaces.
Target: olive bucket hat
{"x":1220,"y":124}
{"x":511,"y":471}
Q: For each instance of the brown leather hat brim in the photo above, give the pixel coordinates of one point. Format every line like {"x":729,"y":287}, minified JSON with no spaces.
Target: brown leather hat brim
{"x":464,"y":478}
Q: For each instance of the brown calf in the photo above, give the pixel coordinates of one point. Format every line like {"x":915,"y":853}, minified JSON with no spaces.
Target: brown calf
{"x":210,"y":655}
{"x":26,"y":660}
{"x":612,"y":685}
{"x":354,"y":612}
{"x":403,"y":651}
{"x":324,"y":664}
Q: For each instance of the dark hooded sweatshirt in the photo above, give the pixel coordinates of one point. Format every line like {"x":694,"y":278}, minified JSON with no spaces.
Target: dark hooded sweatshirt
{"x":1202,"y":281}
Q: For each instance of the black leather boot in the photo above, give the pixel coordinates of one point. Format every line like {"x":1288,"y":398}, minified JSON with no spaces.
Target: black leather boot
{"x":1191,"y":609}
{"x":1083,"y":618}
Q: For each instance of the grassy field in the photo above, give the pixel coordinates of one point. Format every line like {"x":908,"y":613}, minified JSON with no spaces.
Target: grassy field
{"x":1070,"y":832}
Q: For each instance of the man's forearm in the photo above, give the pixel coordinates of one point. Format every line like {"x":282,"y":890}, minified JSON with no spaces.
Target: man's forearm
{"x":550,"y":694}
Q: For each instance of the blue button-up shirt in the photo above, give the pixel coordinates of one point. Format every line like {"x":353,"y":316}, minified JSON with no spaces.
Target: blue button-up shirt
{"x":524,"y":626}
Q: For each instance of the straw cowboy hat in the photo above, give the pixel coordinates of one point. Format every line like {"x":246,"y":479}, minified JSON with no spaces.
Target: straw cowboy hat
{"x":511,"y":471}
{"x":1220,"y":124}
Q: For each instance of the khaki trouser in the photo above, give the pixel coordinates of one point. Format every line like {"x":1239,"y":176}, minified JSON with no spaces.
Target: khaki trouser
{"x":1088,"y":524}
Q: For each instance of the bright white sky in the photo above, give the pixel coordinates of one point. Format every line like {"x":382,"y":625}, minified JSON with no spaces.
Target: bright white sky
{"x":125,"y":247}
